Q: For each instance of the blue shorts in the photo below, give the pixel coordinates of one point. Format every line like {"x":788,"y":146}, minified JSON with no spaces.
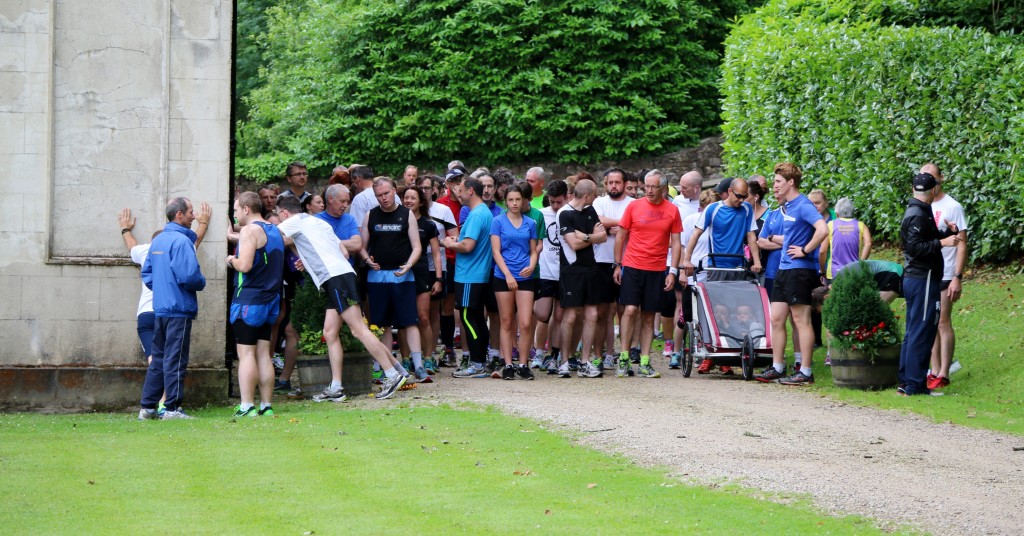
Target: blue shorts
{"x":256,"y":315}
{"x":145,"y":324}
{"x":392,"y":304}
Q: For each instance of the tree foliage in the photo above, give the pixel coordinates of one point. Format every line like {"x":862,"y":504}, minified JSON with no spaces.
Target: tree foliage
{"x":496,"y":81}
{"x":862,"y":106}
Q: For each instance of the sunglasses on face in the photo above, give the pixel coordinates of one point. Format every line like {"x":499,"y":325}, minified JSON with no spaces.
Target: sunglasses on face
{"x":741,"y":196}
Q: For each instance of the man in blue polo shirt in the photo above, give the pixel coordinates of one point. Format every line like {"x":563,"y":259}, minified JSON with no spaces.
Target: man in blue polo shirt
{"x":336,"y":201}
{"x":803,"y":231}
{"x":730,"y":223}
{"x":473,"y":275}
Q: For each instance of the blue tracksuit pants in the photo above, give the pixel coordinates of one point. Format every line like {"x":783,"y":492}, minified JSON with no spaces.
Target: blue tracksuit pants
{"x":922,"y":323}
{"x":166,"y":373}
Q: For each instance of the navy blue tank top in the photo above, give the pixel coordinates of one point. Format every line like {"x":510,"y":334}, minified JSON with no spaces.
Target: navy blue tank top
{"x":262,"y":284}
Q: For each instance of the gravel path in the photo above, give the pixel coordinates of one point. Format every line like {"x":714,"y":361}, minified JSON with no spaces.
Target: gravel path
{"x":896,"y":468}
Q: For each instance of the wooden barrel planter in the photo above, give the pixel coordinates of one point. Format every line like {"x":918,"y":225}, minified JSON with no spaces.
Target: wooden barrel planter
{"x":356,"y":370}
{"x":853,"y":369}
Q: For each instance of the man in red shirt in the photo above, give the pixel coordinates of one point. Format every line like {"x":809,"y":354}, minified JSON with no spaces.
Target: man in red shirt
{"x":452,"y":181}
{"x":648,"y":231}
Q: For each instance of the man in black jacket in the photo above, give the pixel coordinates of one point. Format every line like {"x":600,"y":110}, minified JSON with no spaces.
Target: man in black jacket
{"x":922,"y":276}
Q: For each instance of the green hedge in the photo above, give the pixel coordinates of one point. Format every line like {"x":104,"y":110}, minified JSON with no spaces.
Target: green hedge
{"x":861,"y":107}
{"x":497,"y":81}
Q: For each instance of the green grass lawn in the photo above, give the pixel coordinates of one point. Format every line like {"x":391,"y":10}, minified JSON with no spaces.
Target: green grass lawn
{"x":989,"y":391}
{"x":343,"y":469}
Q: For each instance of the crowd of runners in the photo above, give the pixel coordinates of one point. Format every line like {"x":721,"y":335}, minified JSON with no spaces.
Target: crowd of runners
{"x":494,"y":276}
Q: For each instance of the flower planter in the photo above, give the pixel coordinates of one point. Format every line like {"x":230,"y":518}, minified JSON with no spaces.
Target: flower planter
{"x":853,"y":368}
{"x":356,"y":370}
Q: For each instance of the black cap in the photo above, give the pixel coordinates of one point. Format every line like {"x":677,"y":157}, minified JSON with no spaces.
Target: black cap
{"x":453,"y":173}
{"x":924,"y":182}
{"x":723,"y":186}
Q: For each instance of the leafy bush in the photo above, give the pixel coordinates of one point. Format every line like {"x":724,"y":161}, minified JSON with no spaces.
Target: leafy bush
{"x":991,"y":15}
{"x":861,"y":107}
{"x":497,"y":81}
{"x":855,"y":315}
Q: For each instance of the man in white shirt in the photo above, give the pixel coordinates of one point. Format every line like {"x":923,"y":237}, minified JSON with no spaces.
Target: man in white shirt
{"x":324,"y":257}
{"x":954,"y":258}
{"x":609,"y":208}
{"x":688,"y":203}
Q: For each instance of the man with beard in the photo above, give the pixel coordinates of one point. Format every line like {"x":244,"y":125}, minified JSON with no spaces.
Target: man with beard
{"x":609,"y":208}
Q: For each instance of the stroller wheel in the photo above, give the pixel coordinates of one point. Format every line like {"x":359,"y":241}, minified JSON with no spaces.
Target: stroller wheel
{"x":747,"y":358}
{"x":689,"y":347}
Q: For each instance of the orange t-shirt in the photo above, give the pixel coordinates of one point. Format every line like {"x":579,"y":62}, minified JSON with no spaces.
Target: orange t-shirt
{"x":650,"y":229}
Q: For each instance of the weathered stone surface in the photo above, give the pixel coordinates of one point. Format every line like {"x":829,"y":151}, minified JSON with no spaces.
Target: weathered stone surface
{"x":72,"y":389}
{"x":104,"y":105}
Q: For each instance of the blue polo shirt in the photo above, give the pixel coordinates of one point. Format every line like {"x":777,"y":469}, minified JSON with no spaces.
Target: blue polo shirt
{"x":344,"y":227}
{"x":798,"y":229}
{"x":728,"y":228}
{"x":475,"y":266}
{"x":772,"y":226}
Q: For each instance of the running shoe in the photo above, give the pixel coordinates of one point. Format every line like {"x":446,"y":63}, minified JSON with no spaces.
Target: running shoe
{"x":930,"y":379}
{"x":422,"y":376}
{"x":936,"y":382}
{"x":508,"y":372}
{"x":282,"y":386}
{"x":278,"y":362}
{"x":726,"y":370}
{"x":647,"y":371}
{"x":148,"y":415}
{"x":407,"y":364}
{"x":161,"y":409}
{"x":251,"y":411}
{"x":828,"y":357}
{"x":391,"y":386}
{"x":609,"y":362}
{"x":515,"y":353}
{"x":449,"y":358}
{"x":670,"y":348}
{"x":706,"y":366}
{"x":537,"y":361}
{"x":430,"y":365}
{"x":574,"y":364}
{"x":331,"y":395}
{"x":954,"y":367}
{"x":377,"y":377}
{"x":797,"y":378}
{"x":551,"y":364}
{"x":590,"y":370}
{"x":472,"y":370}
{"x":796,"y":366}
{"x":171,"y":415}
{"x":674,"y":361}
{"x":523,"y":372}
{"x":769,"y":375}
{"x":634,"y":356}
{"x":623,"y":369}
{"x":266,"y":412}
{"x":564,"y":371}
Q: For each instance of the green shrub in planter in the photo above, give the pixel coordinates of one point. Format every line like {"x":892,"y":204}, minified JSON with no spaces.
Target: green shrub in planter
{"x":856,"y":316}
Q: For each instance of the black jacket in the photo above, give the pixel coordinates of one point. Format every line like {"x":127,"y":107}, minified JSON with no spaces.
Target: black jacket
{"x":922,"y":250}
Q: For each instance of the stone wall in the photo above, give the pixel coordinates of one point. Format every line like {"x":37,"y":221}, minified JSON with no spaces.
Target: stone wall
{"x":105,"y":104}
{"x":706,"y":158}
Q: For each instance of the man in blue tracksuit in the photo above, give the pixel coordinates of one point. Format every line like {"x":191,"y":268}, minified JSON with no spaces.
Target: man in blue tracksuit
{"x":922,"y":276}
{"x":172,"y":273}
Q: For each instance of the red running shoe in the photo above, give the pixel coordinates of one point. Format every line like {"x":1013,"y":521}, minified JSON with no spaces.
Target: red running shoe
{"x":705,"y":367}
{"x":726,"y":370}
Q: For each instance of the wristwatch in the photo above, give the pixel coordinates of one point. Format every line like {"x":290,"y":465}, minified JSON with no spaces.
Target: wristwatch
{"x":586,"y":238}
{"x":959,"y":276}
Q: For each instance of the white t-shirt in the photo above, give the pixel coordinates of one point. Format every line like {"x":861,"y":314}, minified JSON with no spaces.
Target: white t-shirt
{"x":606,"y":207}
{"x":363,"y":203}
{"x":700,"y":251}
{"x":439,"y":211}
{"x":319,"y":248}
{"x":944,"y":209}
{"x":686,"y":209}
{"x":550,"y":261}
{"x":139,"y":254}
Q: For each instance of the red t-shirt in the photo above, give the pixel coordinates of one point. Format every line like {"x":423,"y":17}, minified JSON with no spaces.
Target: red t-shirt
{"x":650,"y":230}
{"x":456,"y":207}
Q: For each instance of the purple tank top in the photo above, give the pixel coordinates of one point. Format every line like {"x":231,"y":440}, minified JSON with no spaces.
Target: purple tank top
{"x":845,"y":244}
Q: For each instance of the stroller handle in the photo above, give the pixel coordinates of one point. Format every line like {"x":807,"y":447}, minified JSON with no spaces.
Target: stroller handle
{"x":746,"y":263}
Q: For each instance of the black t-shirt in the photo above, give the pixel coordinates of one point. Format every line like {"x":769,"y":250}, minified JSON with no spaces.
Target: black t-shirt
{"x":584,"y":221}
{"x":389,"y":237}
{"x":428,"y":230}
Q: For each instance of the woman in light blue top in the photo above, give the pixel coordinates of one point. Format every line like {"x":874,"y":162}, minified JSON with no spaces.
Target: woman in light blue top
{"x":514,"y":248}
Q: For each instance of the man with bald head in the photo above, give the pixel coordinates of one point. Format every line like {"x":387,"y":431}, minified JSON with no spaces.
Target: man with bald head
{"x":535,"y":178}
{"x":688,"y":200}
{"x":580,"y":228}
{"x":954,"y":258}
